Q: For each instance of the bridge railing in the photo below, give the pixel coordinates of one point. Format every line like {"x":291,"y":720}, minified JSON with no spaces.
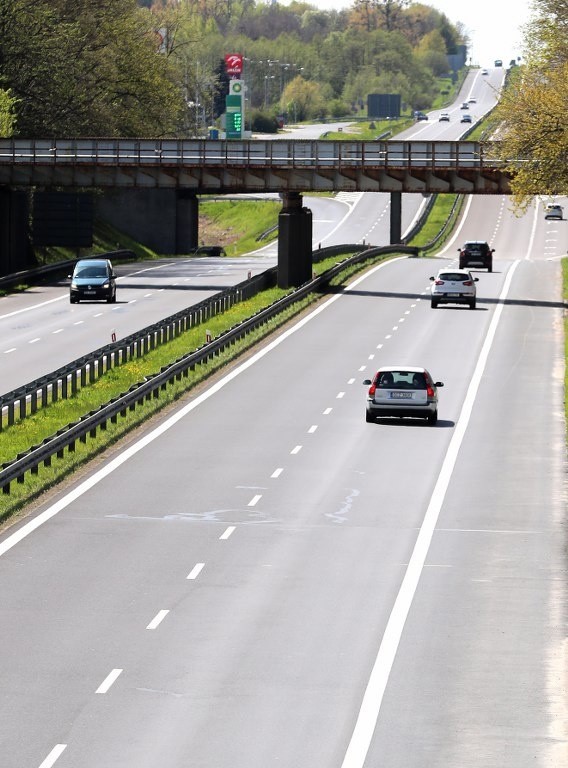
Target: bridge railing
{"x":288,"y":154}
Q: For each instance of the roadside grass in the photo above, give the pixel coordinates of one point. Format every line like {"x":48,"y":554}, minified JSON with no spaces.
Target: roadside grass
{"x":439,"y":216}
{"x":45,"y":423}
{"x":238,"y":224}
{"x":565,"y":297}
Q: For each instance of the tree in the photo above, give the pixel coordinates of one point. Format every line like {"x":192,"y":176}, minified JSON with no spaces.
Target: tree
{"x":7,"y":113}
{"x":531,"y":116}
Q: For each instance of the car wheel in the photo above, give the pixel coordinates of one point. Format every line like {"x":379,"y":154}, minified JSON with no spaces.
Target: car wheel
{"x":462,"y":265}
{"x":369,"y":418}
{"x":73,"y":301}
{"x":472,"y":304}
{"x":433,"y":418}
{"x":434,"y":304}
{"x":112,"y":299}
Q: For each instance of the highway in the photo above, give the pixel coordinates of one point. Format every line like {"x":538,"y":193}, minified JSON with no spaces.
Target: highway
{"x":259,"y":577}
{"x":263,"y":578}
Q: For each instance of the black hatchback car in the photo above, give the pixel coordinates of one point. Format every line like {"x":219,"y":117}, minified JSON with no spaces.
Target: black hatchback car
{"x":93,"y":279}
{"x":476,"y":253}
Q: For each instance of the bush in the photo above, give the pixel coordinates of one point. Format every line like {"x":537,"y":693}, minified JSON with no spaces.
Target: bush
{"x":263,"y":123}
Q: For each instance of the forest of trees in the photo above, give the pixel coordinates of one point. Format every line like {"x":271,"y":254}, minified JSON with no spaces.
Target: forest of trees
{"x":155,"y":67}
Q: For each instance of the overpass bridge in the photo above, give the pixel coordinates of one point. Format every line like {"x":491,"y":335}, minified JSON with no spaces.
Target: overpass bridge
{"x":188,"y":167}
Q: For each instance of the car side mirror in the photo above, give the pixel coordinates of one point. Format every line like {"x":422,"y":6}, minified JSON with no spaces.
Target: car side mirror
{"x":432,"y":277}
{"x":438,"y":383}
{"x":367,"y":382}
{"x":476,"y":279}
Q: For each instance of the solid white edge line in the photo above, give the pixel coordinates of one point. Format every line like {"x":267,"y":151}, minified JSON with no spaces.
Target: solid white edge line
{"x":372,"y":699}
{"x":127,"y":454}
{"x":109,"y":680}
{"x":55,"y":753}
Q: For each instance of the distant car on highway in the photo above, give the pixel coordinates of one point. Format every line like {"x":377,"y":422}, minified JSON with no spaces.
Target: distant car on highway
{"x":553,"y":211}
{"x":453,"y":286}
{"x":484,"y":72}
{"x":402,"y":391}
{"x":466,"y":119}
{"x":465,"y":105}
{"x":476,"y":253}
{"x":444,"y":117}
{"x":420,"y":115}
{"x":93,"y":279}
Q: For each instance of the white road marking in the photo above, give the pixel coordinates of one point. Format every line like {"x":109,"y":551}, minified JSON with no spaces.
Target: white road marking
{"x":295,"y":450}
{"x":79,"y":322}
{"x":166,"y":425}
{"x":7,"y":351}
{"x":255,"y":499}
{"x":340,"y":395}
{"x":373,"y":696}
{"x":277,"y":472}
{"x":195,"y":571}
{"x":158,"y":618}
{"x":351,"y":381}
{"x":55,"y":753}
{"x":312,"y":429}
{"x":108,"y":681}
{"x":59,"y":330}
{"x":34,"y":341}
{"x":327,"y":411}
{"x":98,"y":314}
{"x":371,"y":356}
{"x":362,"y":367}
{"x":228,"y":531}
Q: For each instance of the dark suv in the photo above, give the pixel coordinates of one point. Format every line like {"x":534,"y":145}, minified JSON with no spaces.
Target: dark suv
{"x":476,"y":253}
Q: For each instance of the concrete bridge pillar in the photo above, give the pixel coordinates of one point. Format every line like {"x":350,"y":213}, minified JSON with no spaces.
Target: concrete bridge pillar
{"x":294,"y":242}
{"x":395,"y":218}
{"x":15,"y":250}
{"x":187,"y":221}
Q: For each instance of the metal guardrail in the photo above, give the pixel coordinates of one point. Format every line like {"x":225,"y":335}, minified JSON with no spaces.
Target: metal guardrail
{"x":277,"y":153}
{"x":34,"y":274}
{"x":67,"y":437}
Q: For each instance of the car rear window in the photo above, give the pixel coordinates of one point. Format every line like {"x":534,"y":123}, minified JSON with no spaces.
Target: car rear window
{"x":454,"y":277}
{"x":401,"y":380}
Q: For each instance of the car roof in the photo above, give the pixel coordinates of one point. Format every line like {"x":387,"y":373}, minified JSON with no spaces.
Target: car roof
{"x":476,"y":242}
{"x":409,"y":368}
{"x":454,"y":271}
{"x":88,"y":262}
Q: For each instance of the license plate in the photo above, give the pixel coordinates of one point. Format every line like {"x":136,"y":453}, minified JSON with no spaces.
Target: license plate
{"x":454,"y":295}
{"x":401,"y":395}
{"x":89,"y":293}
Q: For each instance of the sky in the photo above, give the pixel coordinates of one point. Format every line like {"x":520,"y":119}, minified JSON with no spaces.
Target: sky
{"x":492,"y":25}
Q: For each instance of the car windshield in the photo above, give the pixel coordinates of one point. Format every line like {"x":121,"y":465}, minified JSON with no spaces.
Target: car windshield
{"x":401,"y":380}
{"x":92,"y":270}
{"x":455,"y":277}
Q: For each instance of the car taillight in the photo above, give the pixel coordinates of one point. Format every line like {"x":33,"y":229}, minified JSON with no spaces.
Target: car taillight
{"x":467,"y":282}
{"x":430,"y":391}
{"x":372,"y":389}
{"x":439,"y":282}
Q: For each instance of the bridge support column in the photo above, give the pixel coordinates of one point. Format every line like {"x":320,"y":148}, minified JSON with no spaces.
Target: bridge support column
{"x":395,"y":218}
{"x":294,"y":242}
{"x":15,"y":250}
{"x":187,"y":221}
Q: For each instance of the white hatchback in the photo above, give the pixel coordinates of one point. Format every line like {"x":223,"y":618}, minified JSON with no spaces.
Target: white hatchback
{"x":453,"y":286}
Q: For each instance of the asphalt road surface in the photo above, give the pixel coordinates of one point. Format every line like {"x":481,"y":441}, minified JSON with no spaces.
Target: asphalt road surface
{"x":260,"y":578}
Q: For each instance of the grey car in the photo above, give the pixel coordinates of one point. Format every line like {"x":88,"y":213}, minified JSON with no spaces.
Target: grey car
{"x":93,"y":279}
{"x":402,"y":391}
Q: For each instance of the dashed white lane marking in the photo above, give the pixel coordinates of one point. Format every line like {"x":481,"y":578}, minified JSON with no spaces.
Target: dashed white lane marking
{"x":7,"y":351}
{"x":277,"y":472}
{"x":362,"y":367}
{"x":372,"y":699}
{"x":296,"y":449}
{"x":340,"y":395}
{"x":109,"y":680}
{"x":255,"y":499}
{"x":195,"y":571}
{"x":98,"y":314}
{"x":59,"y":330}
{"x":227,"y":532}
{"x":327,"y":411}
{"x":34,"y":341}
{"x":157,"y":620}
{"x":54,"y":755}
{"x":79,"y":322}
{"x":312,"y":429}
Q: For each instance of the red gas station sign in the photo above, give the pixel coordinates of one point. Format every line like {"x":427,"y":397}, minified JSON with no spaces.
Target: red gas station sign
{"x":234,"y":63}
